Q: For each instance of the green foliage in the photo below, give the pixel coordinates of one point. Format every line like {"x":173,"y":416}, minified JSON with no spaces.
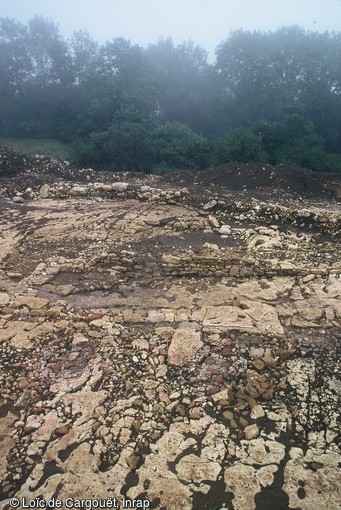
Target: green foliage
{"x":50,"y":60}
{"x":84,"y":51}
{"x":333,"y":162}
{"x":260,"y":73}
{"x":174,"y":145}
{"x":139,"y":146}
{"x":244,"y":145}
{"x":90,"y":151}
{"x":293,"y":140}
{"x":124,"y":146}
{"x":182,"y":83}
{"x":162,"y":169}
{"x":127,"y":146}
{"x":129,"y":108}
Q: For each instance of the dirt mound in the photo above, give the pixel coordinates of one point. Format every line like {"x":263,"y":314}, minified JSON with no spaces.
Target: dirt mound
{"x":12,"y":164}
{"x":18,"y":173}
{"x":261,"y":177}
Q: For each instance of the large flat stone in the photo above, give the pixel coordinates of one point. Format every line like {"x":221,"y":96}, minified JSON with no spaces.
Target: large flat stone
{"x":186,"y":342}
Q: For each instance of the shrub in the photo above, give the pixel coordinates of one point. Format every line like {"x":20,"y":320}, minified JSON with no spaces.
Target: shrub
{"x":124,"y":146}
{"x":175,"y":145}
{"x":244,"y":145}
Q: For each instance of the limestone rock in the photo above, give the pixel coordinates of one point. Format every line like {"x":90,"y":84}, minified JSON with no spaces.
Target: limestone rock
{"x":18,"y":200}
{"x":193,"y":468}
{"x":257,"y":412}
{"x":185,"y":343}
{"x":78,"y":191}
{"x":260,"y":452}
{"x":32,"y":302}
{"x":213,"y":221}
{"x":120,"y":186}
{"x":309,"y":489}
{"x":245,"y":483}
{"x":4,"y":298}
{"x":210,"y":205}
{"x":224,"y":230}
{"x":44,"y":191}
{"x":251,"y":432}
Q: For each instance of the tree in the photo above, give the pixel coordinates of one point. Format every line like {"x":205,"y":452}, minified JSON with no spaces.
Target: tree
{"x":293,"y":140}
{"x":261,"y":73}
{"x":127,"y":146}
{"x":15,"y":62}
{"x":49,"y":54}
{"x":240,"y":144}
{"x":176,"y":146}
{"x":118,"y":94}
{"x":36,"y":78}
{"x":85,"y":56}
{"x":321,"y":95}
{"x":182,"y":83}
{"x":15,"y":68}
{"x":124,"y":146}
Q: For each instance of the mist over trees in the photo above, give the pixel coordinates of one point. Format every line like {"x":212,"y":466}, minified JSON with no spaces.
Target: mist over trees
{"x":269,"y":97}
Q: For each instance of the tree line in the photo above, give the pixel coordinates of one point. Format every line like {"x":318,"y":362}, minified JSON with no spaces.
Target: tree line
{"x":268,"y":97}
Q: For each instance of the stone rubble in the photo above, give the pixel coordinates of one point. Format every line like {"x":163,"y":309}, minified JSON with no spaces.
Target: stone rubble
{"x":148,"y":352}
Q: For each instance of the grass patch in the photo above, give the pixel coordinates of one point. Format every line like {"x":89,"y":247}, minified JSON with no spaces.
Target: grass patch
{"x":38,"y":146}
{"x":334,"y":161}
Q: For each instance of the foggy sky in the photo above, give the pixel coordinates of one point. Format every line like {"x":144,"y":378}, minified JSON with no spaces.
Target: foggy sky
{"x":206,"y":22}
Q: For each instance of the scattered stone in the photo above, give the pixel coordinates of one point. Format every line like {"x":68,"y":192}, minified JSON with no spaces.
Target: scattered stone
{"x":214,"y":390}
{"x":186,"y":342}
{"x":221,"y":395}
{"x":136,"y":424}
{"x":251,"y":432}
{"x":133,"y":461}
{"x":196,"y":413}
{"x":210,"y":205}
{"x":224,"y":230}
{"x":257,"y":412}
{"x":213,"y":221}
{"x":44,"y":191}
{"x":23,"y":383}
{"x":142,"y":353}
{"x":64,"y":429}
{"x":285,"y":354}
{"x":258,"y":364}
{"x":4,"y":299}
{"x":18,"y":200}
{"x":78,"y":191}
{"x":120,"y":186}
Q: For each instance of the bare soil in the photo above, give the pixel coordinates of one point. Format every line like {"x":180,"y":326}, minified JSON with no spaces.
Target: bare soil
{"x":144,"y":353}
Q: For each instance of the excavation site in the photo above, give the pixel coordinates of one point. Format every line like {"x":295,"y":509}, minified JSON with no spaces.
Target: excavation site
{"x":169,"y":342}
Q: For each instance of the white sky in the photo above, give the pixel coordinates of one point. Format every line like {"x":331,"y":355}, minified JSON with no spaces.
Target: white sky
{"x":206,"y":22}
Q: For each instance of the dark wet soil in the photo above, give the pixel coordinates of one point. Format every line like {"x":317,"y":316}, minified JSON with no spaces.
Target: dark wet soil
{"x":17,"y":173}
{"x":262,"y":178}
